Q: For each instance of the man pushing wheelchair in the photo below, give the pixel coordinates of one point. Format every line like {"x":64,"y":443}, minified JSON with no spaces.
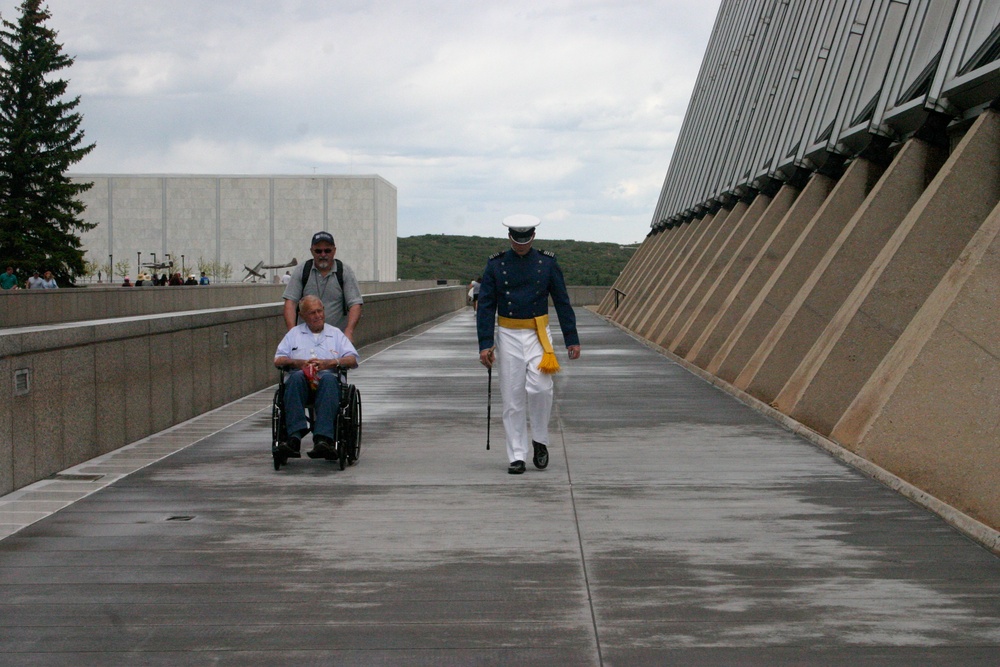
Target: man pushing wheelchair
{"x":313,"y":354}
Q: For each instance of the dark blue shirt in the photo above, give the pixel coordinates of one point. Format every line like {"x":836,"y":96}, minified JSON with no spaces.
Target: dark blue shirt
{"x":520,"y":287}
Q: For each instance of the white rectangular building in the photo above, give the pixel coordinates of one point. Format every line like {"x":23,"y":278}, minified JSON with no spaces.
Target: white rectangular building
{"x":240,"y":220}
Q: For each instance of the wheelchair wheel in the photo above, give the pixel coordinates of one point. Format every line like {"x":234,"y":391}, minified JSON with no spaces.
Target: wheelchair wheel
{"x":352,"y":425}
{"x":277,"y":430}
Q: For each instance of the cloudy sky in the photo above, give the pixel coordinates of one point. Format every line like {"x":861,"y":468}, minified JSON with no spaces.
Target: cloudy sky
{"x":474,"y":110}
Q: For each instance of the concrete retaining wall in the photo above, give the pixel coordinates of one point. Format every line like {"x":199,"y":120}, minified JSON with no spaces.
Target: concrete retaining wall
{"x":22,"y":308}
{"x":73,"y":391}
{"x":867,"y":310}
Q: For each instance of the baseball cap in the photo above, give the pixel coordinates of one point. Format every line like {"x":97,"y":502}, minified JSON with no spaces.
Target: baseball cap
{"x":321,"y":237}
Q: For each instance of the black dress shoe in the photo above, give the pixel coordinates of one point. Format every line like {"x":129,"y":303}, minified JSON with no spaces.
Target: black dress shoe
{"x":516,"y":468}
{"x":322,"y":449}
{"x":292,"y":448}
{"x":541,"y":457}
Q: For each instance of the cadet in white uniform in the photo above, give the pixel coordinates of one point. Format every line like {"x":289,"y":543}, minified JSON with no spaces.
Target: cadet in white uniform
{"x":516,"y":287}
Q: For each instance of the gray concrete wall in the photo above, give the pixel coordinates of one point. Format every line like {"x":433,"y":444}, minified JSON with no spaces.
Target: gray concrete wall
{"x":23,"y":308}
{"x":73,"y":391}
{"x":584,"y":295}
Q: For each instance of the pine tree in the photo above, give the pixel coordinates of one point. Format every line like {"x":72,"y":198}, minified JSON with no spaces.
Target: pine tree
{"x":40,"y":138}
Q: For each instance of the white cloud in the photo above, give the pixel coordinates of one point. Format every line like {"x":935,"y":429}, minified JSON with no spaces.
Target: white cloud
{"x":568,"y":109}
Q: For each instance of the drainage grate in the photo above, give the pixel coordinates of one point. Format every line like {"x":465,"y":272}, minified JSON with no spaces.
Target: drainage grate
{"x":76,"y":477}
{"x":22,"y":381}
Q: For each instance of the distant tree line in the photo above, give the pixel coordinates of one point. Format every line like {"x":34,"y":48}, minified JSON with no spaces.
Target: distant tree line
{"x":439,"y":256}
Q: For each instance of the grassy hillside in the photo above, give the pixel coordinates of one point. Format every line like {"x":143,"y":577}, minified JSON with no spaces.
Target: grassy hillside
{"x":463,"y":257}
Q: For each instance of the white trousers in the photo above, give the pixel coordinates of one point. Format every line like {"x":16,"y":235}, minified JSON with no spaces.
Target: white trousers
{"x":526,"y":391}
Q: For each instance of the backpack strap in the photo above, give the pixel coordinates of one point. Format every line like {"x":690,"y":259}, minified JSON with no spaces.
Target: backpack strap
{"x":307,"y":271}
{"x":340,"y":281}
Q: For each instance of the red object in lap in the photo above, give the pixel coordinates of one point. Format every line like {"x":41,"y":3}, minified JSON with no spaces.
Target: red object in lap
{"x":309,"y":370}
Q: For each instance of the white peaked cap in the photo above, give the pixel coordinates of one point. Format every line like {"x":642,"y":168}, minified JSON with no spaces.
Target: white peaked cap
{"x":521,"y":222}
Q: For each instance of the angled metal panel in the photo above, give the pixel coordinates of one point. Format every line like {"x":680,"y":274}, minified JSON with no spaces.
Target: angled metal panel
{"x":758,"y":41}
{"x":698,"y":163}
{"x":843,"y":59}
{"x":802,"y":27}
{"x":851,"y":131}
{"x":695,"y":173}
{"x":761,"y":114}
{"x":792,"y":84}
{"x":672,"y":184}
{"x":922,"y":51}
{"x":686,"y":170}
{"x":968,"y":76}
{"x":808,"y":95}
{"x":725,"y":103}
{"x":909,"y":31}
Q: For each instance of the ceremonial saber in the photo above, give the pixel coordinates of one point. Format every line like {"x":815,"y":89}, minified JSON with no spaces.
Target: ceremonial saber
{"x":489,"y":402}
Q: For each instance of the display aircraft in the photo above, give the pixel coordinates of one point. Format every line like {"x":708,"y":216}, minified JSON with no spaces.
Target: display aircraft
{"x":257,"y":272}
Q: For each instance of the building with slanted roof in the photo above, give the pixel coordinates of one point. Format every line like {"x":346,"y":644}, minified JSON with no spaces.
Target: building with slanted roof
{"x":825,"y":243}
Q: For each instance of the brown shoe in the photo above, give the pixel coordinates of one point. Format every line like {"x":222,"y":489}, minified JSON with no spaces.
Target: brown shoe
{"x":322,"y":449}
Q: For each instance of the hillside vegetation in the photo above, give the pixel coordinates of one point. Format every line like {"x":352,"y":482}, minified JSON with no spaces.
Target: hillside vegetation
{"x":437,"y":256}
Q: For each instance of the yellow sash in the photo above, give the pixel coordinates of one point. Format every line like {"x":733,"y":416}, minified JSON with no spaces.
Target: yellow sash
{"x":549,"y":364}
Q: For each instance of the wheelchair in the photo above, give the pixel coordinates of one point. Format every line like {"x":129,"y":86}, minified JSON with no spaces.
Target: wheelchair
{"x":348,"y":424}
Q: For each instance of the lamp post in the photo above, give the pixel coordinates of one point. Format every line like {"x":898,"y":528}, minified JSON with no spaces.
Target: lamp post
{"x":138,"y":263}
{"x":183,"y":270}
{"x":111,"y":268}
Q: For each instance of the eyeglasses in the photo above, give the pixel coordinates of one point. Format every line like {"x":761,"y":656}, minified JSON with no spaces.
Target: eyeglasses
{"x":322,"y":251}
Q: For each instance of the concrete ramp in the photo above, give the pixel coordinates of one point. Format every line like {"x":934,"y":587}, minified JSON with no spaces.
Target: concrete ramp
{"x":674,"y":525}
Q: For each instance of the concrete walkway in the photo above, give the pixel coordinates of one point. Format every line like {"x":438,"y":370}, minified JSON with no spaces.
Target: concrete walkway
{"x":674,"y":526}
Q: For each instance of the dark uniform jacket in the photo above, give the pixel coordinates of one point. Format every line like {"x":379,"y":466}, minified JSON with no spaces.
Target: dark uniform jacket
{"x":519,"y":287}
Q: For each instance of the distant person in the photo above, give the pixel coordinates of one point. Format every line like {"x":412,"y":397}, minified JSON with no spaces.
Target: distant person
{"x":7,"y":279}
{"x":474,"y":291}
{"x":140,"y":280}
{"x":204,"y":279}
{"x":163,"y":279}
{"x":191,"y":280}
{"x":48,"y":281}
{"x":127,"y":282}
{"x":175,"y":279}
{"x":287,"y":278}
{"x":329,"y":279}
{"x":35,"y":281}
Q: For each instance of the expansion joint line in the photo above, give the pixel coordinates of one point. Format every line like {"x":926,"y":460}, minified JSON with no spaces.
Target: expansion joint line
{"x":579,"y":540}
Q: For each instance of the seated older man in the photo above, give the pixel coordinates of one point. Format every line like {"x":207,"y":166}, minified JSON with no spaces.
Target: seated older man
{"x":313,"y":351}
